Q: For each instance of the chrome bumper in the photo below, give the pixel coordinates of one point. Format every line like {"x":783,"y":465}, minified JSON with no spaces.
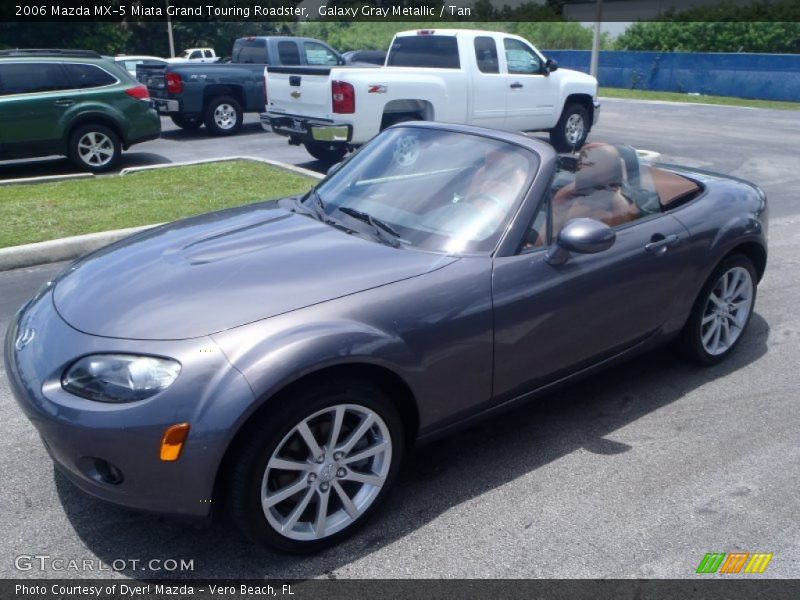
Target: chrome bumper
{"x":596,"y":112}
{"x":305,"y":130}
{"x":165,"y":106}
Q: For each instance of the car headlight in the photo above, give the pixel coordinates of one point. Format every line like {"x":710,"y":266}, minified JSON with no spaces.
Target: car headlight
{"x":119,"y":377}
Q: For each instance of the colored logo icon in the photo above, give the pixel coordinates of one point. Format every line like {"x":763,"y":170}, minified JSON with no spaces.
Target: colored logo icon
{"x":735,"y":562}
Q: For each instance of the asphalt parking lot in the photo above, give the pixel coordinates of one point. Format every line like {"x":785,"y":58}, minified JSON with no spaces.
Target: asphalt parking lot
{"x":636,"y":472}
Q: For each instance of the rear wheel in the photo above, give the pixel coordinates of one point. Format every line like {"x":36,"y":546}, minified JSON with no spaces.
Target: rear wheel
{"x":309,"y":475}
{"x":187,"y":122}
{"x":94,"y":148}
{"x":390,"y":119}
{"x":572,"y":129}
{"x":722,"y":311}
{"x":223,"y":116}
{"x":326,"y":152}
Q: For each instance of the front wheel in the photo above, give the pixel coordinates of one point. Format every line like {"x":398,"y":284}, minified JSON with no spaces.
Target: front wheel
{"x":310,"y":475}
{"x":223,"y":116}
{"x":328,"y":153}
{"x":572,"y":129}
{"x":722,"y":311}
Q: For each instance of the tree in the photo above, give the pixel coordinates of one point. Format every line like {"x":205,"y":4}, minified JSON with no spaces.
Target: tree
{"x":723,"y":27}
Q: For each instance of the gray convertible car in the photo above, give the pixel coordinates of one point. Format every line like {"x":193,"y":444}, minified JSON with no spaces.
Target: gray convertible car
{"x":280,"y":358}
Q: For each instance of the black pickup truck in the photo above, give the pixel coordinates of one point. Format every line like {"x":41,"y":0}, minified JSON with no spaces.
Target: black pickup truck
{"x":218,"y":94}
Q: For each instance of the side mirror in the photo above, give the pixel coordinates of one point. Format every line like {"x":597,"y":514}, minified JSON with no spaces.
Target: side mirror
{"x":550,"y":65}
{"x":582,"y":236}
{"x":334,"y":168}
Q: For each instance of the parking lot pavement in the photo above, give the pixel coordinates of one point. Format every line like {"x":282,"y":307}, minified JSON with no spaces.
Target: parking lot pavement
{"x":636,"y":472}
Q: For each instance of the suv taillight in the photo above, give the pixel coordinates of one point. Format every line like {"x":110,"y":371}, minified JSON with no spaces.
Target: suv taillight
{"x":265,"y":90}
{"x":139,"y":92}
{"x":344,"y":97}
{"x":174,"y":83}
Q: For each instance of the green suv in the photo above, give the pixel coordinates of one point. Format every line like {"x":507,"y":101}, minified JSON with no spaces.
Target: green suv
{"x":74,"y":103}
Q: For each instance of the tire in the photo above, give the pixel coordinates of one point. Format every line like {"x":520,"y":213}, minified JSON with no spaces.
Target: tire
{"x":698,"y":338}
{"x":572,"y":129}
{"x":186,"y":122}
{"x":390,"y":120}
{"x":328,"y":153}
{"x":223,"y":115}
{"x":94,"y":148}
{"x":276,"y":437}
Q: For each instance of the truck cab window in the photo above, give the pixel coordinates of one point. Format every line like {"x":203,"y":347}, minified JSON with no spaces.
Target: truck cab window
{"x":521,"y":58}
{"x":288,"y":53}
{"x":318,"y":54}
{"x":486,"y":55}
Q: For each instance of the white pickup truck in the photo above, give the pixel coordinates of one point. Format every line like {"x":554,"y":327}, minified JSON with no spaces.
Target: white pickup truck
{"x":196,"y":55}
{"x":467,"y":76}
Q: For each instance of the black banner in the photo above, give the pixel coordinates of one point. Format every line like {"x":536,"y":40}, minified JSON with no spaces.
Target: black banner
{"x":260,"y":11}
{"x":411,"y":589}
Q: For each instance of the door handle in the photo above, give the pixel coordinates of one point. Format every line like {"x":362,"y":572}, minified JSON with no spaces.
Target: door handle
{"x":516,"y":85}
{"x":64,"y":102}
{"x":659,"y":244}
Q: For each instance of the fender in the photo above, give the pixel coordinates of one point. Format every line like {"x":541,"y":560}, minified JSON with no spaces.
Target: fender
{"x":281,"y":355}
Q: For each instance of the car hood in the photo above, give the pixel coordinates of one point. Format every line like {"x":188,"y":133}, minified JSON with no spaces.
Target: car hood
{"x":205,"y":274}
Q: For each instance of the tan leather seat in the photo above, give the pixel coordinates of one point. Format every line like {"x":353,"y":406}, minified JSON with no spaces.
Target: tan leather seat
{"x":502,"y":176}
{"x":596,"y":191}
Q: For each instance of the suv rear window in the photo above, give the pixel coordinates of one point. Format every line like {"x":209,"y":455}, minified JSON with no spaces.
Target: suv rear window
{"x":431,"y":51}
{"x":30,"y":78}
{"x":89,"y":76}
{"x":250,"y":51}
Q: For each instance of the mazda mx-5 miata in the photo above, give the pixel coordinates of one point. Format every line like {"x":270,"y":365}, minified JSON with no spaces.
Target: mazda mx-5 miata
{"x":280,"y":358}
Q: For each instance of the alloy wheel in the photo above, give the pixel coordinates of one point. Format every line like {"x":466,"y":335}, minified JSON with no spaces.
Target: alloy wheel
{"x":225,"y":116}
{"x":574,"y":128}
{"x":95,"y":149}
{"x":326,"y":472}
{"x":406,"y":150}
{"x":727,"y":310}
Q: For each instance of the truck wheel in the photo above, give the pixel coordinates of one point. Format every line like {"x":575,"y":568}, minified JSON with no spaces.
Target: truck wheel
{"x":223,"y":115}
{"x":94,"y":148}
{"x":572,"y":129}
{"x":389,"y":120}
{"x":187,"y":122}
{"x":328,"y":153}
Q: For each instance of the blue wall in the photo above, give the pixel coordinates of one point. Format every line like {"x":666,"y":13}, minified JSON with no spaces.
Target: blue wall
{"x":762,"y":76}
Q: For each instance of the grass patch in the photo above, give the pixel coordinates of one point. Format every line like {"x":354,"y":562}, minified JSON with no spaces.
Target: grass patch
{"x":678,"y":97}
{"x":46,"y":211}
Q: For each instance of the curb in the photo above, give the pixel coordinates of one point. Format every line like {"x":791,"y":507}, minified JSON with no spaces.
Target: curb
{"x":29,"y":255}
{"x":266,"y":161}
{"x":46,"y":179}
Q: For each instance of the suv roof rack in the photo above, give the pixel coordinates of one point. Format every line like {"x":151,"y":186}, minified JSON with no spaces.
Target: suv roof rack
{"x":50,"y":52}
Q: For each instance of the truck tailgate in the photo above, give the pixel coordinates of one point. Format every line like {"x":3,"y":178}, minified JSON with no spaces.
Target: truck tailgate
{"x":153,"y":77}
{"x":304,"y":91}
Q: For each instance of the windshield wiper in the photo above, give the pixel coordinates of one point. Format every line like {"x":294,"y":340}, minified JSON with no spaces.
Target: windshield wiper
{"x":381,"y":228}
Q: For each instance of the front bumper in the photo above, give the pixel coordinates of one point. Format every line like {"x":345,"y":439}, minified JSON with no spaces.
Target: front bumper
{"x":596,"y":112}
{"x":302,"y":129}
{"x":84,"y":437}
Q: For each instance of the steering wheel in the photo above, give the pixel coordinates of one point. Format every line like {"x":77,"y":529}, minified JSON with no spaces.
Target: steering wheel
{"x":490,"y":198}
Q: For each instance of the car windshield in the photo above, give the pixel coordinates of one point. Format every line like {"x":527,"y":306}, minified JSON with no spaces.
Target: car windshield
{"x":430,"y":189}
